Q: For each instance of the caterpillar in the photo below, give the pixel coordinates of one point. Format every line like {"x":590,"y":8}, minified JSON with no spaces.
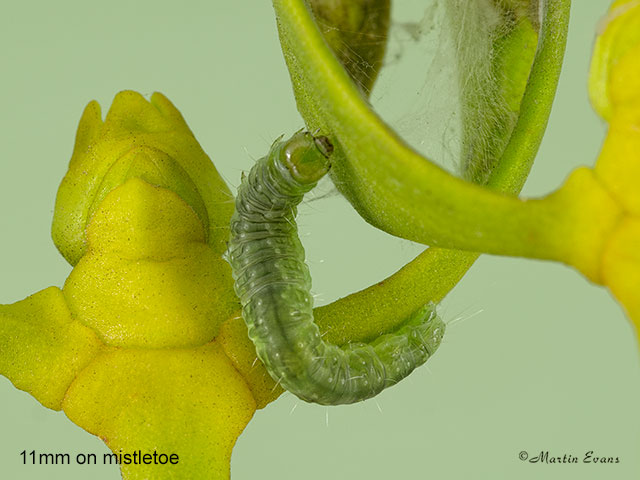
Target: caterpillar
{"x":273,"y":284}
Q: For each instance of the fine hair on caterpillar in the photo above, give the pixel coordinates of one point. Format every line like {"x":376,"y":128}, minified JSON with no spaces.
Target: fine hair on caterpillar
{"x":273,"y":283}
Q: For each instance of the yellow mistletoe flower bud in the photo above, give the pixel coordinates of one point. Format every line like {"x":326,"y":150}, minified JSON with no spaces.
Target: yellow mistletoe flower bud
{"x":621,"y":267}
{"x":42,"y":348}
{"x":190,"y":403}
{"x":148,"y":279}
{"x":614,"y":88}
{"x":138,"y":138}
{"x":614,"y":79}
{"x":144,"y":345}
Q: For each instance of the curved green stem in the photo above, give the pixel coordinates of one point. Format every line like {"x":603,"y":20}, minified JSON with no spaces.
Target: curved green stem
{"x":393,"y":187}
{"x":382,"y":307}
{"x":535,"y":108}
{"x":401,"y":192}
{"x":430,"y":276}
{"x":494,"y":61}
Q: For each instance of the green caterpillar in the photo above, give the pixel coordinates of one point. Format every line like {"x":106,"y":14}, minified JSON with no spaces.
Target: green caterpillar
{"x":273,"y":284}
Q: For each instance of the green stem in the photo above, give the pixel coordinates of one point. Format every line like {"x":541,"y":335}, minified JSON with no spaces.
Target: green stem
{"x":535,"y":108}
{"x":582,"y":216}
{"x":326,"y":99}
{"x":494,"y":61}
{"x":381,"y":308}
{"x":403,"y":193}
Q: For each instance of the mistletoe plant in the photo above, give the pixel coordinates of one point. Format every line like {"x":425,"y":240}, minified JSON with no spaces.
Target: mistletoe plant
{"x":147,"y":322}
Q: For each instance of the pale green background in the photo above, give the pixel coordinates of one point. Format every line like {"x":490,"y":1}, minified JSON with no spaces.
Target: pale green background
{"x":547,"y":361}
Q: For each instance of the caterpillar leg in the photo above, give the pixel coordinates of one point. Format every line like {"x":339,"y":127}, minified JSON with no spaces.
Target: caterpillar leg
{"x":273,"y":284}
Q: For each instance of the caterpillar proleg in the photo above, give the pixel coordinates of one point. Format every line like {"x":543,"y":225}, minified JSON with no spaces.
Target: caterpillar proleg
{"x":273,"y":284}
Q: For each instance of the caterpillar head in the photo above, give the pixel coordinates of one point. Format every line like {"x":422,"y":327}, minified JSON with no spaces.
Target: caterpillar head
{"x":307,"y":157}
